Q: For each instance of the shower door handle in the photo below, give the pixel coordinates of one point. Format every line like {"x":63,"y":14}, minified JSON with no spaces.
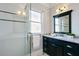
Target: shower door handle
{"x":30,"y":38}
{"x":31,"y":41}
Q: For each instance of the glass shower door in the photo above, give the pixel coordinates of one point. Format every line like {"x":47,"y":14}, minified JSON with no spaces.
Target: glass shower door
{"x":14,"y":30}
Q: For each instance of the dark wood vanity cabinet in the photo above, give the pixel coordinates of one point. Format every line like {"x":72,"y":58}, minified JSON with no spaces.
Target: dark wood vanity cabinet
{"x":55,"y":47}
{"x":52,"y":46}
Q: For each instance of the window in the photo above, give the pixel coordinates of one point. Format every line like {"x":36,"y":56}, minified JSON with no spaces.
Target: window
{"x":35,"y":22}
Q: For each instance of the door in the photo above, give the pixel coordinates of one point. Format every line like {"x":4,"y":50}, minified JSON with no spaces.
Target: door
{"x":14,"y":29}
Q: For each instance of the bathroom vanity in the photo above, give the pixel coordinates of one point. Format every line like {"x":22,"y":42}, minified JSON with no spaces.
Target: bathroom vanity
{"x":60,"y":46}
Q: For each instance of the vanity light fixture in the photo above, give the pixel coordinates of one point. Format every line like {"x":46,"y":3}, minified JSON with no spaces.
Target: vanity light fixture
{"x":61,"y":9}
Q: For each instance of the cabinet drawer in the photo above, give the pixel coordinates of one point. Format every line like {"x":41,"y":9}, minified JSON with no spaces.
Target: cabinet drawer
{"x":68,"y":54}
{"x":55,"y":41}
{"x":70,"y":46}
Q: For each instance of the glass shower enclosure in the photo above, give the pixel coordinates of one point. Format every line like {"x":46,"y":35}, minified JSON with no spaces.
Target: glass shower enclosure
{"x":15,"y":37}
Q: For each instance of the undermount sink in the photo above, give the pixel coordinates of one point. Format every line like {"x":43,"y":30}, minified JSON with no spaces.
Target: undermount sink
{"x":58,"y":37}
{"x":62,"y":37}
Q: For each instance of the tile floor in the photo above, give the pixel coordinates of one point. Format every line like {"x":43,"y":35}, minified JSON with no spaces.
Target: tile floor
{"x":38,"y":53}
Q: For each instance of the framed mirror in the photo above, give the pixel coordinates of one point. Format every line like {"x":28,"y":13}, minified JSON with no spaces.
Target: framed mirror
{"x":62,"y":22}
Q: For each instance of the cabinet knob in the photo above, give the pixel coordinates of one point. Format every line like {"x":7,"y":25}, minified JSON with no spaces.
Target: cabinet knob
{"x":69,"y":54}
{"x":69,"y":46}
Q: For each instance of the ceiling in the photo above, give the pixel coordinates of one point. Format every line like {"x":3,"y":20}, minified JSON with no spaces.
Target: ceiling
{"x":13,"y":7}
{"x":49,"y":5}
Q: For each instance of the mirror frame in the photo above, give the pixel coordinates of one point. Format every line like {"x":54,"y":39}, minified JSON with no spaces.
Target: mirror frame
{"x":61,"y":15}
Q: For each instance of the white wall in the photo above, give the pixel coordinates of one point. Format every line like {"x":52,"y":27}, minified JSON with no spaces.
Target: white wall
{"x":75,"y":16}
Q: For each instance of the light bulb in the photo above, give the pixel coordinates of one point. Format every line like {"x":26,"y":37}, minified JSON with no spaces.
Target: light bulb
{"x":57,"y":11}
{"x":19,"y":12}
{"x":23,"y":13}
{"x":63,"y":8}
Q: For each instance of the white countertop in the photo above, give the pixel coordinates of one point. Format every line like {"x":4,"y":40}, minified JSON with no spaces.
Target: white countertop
{"x":74,"y":40}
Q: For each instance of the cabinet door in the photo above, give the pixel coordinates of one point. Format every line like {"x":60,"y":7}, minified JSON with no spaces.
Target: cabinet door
{"x":54,"y":50}
{"x":56,"y":41}
{"x":52,"y":47}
